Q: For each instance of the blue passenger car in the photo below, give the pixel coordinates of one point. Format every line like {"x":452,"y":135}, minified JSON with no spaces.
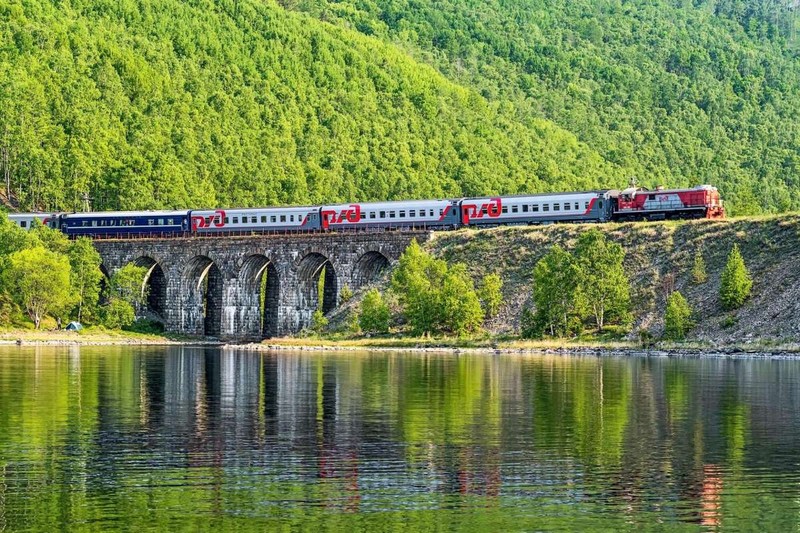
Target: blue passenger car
{"x":126,"y":223}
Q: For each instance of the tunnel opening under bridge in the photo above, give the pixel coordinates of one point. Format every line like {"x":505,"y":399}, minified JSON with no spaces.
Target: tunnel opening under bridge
{"x":205,"y":284}
{"x":154,"y":289}
{"x":319,"y":286}
{"x":262,"y":286}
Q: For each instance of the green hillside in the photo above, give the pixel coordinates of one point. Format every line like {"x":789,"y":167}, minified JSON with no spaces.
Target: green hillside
{"x":164,"y":103}
{"x":673,"y":92}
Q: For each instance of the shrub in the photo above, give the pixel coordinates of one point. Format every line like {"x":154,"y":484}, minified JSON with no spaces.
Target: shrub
{"x":345,"y":295}
{"x":736,"y":282}
{"x":677,"y":320}
{"x":318,"y":321}
{"x":699,"y":275}
{"x":374,"y":315}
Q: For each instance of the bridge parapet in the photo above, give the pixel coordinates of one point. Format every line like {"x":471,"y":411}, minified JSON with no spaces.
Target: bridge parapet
{"x":256,"y":286}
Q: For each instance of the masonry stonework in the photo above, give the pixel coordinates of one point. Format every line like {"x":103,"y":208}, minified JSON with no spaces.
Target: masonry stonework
{"x":212,"y":286}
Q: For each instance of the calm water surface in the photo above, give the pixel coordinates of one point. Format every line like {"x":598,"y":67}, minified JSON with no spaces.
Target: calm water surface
{"x":200,"y":438}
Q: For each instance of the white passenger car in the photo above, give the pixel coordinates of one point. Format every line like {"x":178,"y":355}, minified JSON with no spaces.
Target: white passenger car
{"x":263,"y":219}
{"x":407,"y":213}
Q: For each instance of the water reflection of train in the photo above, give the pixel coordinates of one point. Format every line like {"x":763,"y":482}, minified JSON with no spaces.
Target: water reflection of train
{"x":592,"y":206}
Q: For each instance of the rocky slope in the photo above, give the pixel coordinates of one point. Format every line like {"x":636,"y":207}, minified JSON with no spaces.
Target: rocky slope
{"x":659,"y":256}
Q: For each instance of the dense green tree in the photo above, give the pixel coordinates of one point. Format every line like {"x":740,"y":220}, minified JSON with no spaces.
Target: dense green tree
{"x":491,"y":294}
{"x":128,"y":284}
{"x":435,"y":297}
{"x":557,"y":292}
{"x":86,"y":276}
{"x":735,"y":282}
{"x":39,"y":281}
{"x":460,"y":308}
{"x":677,"y":319}
{"x":374,"y":314}
{"x":603,"y":281}
{"x":118,"y":314}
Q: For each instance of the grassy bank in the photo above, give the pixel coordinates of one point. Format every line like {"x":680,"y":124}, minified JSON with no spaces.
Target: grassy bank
{"x":92,"y":335}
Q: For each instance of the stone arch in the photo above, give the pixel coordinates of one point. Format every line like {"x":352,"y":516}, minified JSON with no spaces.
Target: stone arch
{"x":155,"y":283}
{"x":309,"y":270}
{"x":368,"y":268}
{"x":259,"y":275}
{"x":203,"y":289}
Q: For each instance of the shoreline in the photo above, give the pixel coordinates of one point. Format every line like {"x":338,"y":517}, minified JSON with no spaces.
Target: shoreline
{"x":619,"y":349}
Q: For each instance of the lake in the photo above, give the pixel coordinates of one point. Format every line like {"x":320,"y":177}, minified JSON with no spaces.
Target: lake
{"x":180,"y":438}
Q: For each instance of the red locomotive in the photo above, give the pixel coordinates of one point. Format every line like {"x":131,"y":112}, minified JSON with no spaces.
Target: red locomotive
{"x":636,"y":203}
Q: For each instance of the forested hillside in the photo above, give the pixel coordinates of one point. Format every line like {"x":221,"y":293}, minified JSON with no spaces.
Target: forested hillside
{"x":673,"y":92}
{"x":165,"y":103}
{"x":169,"y":103}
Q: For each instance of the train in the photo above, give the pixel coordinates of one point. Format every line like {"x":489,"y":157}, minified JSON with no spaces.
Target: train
{"x":631,"y":204}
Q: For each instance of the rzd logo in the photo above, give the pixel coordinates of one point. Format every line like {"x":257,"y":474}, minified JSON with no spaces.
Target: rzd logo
{"x":490,"y":209}
{"x":351,"y":214}
{"x":217,"y":220}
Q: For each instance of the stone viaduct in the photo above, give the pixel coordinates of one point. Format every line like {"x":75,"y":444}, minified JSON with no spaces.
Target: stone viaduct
{"x":255,"y":286}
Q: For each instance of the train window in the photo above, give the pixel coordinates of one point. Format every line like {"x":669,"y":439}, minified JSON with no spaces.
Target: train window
{"x":556,"y":207}
{"x":524,"y":208}
{"x":577,"y":206}
{"x":23,"y":224}
{"x":441,"y":212}
{"x":160,"y":221}
{"x":263,"y":219}
{"x":383,"y":214}
{"x":546,"y":207}
{"x":391,"y":214}
{"x":253,"y":220}
{"x":227,"y":220}
{"x":586,"y":205}
{"x":566,"y":206}
{"x":84,"y":223}
{"x":601,"y":204}
{"x":283,"y":218}
{"x":235,"y":220}
{"x":505,"y":209}
{"x":412,"y":213}
{"x":112,"y":222}
{"x":535,"y":208}
{"x":363,"y":215}
{"x":372,"y":214}
{"x":273,"y":219}
{"x":514,"y":209}
{"x":402,"y":214}
{"x":291,"y":218}
{"x":150,"y":222}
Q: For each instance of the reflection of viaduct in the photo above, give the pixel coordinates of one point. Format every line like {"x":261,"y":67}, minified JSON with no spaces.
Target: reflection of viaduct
{"x":255,"y":286}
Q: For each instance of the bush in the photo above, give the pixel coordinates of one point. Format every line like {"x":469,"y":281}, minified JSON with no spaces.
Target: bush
{"x":699,"y":275}
{"x":677,"y":320}
{"x":318,"y":321}
{"x":118,"y":314}
{"x":374,"y":316}
{"x":736,"y":282}
{"x":345,"y":295}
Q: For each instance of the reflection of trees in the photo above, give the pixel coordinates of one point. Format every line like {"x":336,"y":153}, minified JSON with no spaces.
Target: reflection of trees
{"x":203,"y":432}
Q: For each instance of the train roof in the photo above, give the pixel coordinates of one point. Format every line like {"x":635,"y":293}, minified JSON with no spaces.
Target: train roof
{"x":106,"y":214}
{"x":537,"y":194}
{"x":258,"y":209}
